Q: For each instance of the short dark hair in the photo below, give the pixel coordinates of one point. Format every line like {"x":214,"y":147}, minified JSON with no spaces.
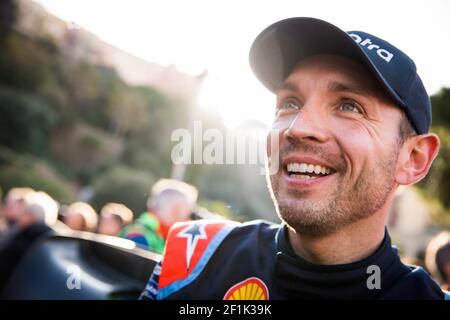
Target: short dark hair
{"x":406,"y":129}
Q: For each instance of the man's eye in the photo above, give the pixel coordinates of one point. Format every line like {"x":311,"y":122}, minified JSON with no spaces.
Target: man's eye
{"x":350,"y":106}
{"x":289,"y":104}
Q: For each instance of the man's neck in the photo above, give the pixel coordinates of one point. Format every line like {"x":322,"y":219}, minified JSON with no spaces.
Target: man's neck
{"x":352,"y":243}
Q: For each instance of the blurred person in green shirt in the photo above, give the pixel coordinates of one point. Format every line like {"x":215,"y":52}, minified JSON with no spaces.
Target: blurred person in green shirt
{"x":170,"y":201}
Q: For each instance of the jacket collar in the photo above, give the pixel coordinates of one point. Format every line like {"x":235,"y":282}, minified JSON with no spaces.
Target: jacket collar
{"x":297,"y":278}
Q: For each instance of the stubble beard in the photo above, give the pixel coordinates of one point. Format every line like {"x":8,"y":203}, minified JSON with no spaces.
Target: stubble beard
{"x":343,"y":206}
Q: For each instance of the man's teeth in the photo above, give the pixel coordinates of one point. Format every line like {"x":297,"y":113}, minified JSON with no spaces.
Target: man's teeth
{"x":307,"y":168}
{"x":302,"y":176}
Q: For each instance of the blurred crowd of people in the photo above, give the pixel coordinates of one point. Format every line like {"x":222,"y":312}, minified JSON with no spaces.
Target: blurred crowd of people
{"x":26,"y":214}
{"x":169,"y":201}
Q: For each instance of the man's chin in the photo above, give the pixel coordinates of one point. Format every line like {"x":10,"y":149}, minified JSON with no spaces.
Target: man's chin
{"x":308,"y":220}
{"x":311,"y":229}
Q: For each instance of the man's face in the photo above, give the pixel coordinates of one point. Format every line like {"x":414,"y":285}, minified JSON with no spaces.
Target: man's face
{"x":13,"y":209}
{"x":181,"y":211}
{"x":109,"y":225}
{"x":333,"y":120}
{"x":75,"y":221}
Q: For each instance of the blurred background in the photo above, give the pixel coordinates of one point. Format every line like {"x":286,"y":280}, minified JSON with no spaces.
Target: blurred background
{"x":90,"y":92}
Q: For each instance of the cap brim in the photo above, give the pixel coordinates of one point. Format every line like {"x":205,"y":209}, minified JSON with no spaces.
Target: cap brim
{"x":278,"y":48}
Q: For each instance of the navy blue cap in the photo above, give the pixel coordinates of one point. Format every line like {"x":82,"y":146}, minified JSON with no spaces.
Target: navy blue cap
{"x":278,"y":48}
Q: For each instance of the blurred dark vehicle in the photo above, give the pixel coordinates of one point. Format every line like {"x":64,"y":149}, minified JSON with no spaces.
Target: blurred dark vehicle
{"x":78,"y":266}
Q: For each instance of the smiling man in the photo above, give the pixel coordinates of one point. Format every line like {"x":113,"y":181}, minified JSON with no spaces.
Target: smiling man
{"x":351,"y":125}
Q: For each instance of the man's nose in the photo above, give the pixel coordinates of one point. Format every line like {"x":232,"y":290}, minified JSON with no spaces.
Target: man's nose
{"x":310,"y":123}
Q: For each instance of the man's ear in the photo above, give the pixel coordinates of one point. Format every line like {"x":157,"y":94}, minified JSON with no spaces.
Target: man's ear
{"x":415,"y":158}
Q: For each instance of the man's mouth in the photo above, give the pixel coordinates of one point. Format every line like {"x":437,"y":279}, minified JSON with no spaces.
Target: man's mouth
{"x":306,"y":171}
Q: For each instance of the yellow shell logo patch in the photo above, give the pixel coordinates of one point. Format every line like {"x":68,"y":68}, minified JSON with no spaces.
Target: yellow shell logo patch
{"x":250,"y":289}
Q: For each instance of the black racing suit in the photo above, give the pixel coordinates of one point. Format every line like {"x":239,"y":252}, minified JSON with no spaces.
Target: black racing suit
{"x":255,"y":261}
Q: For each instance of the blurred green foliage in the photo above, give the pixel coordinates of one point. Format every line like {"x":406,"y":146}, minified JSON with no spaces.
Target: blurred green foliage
{"x":30,"y":131}
{"x":123,"y":185}
{"x":21,"y":170}
{"x":435,"y":187}
{"x":441,"y":108}
{"x":8,"y":15}
{"x":84,"y":121}
{"x":92,"y":129}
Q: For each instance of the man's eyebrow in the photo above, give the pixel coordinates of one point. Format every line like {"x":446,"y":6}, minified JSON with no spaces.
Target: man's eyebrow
{"x":337,"y":86}
{"x":287,"y":86}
